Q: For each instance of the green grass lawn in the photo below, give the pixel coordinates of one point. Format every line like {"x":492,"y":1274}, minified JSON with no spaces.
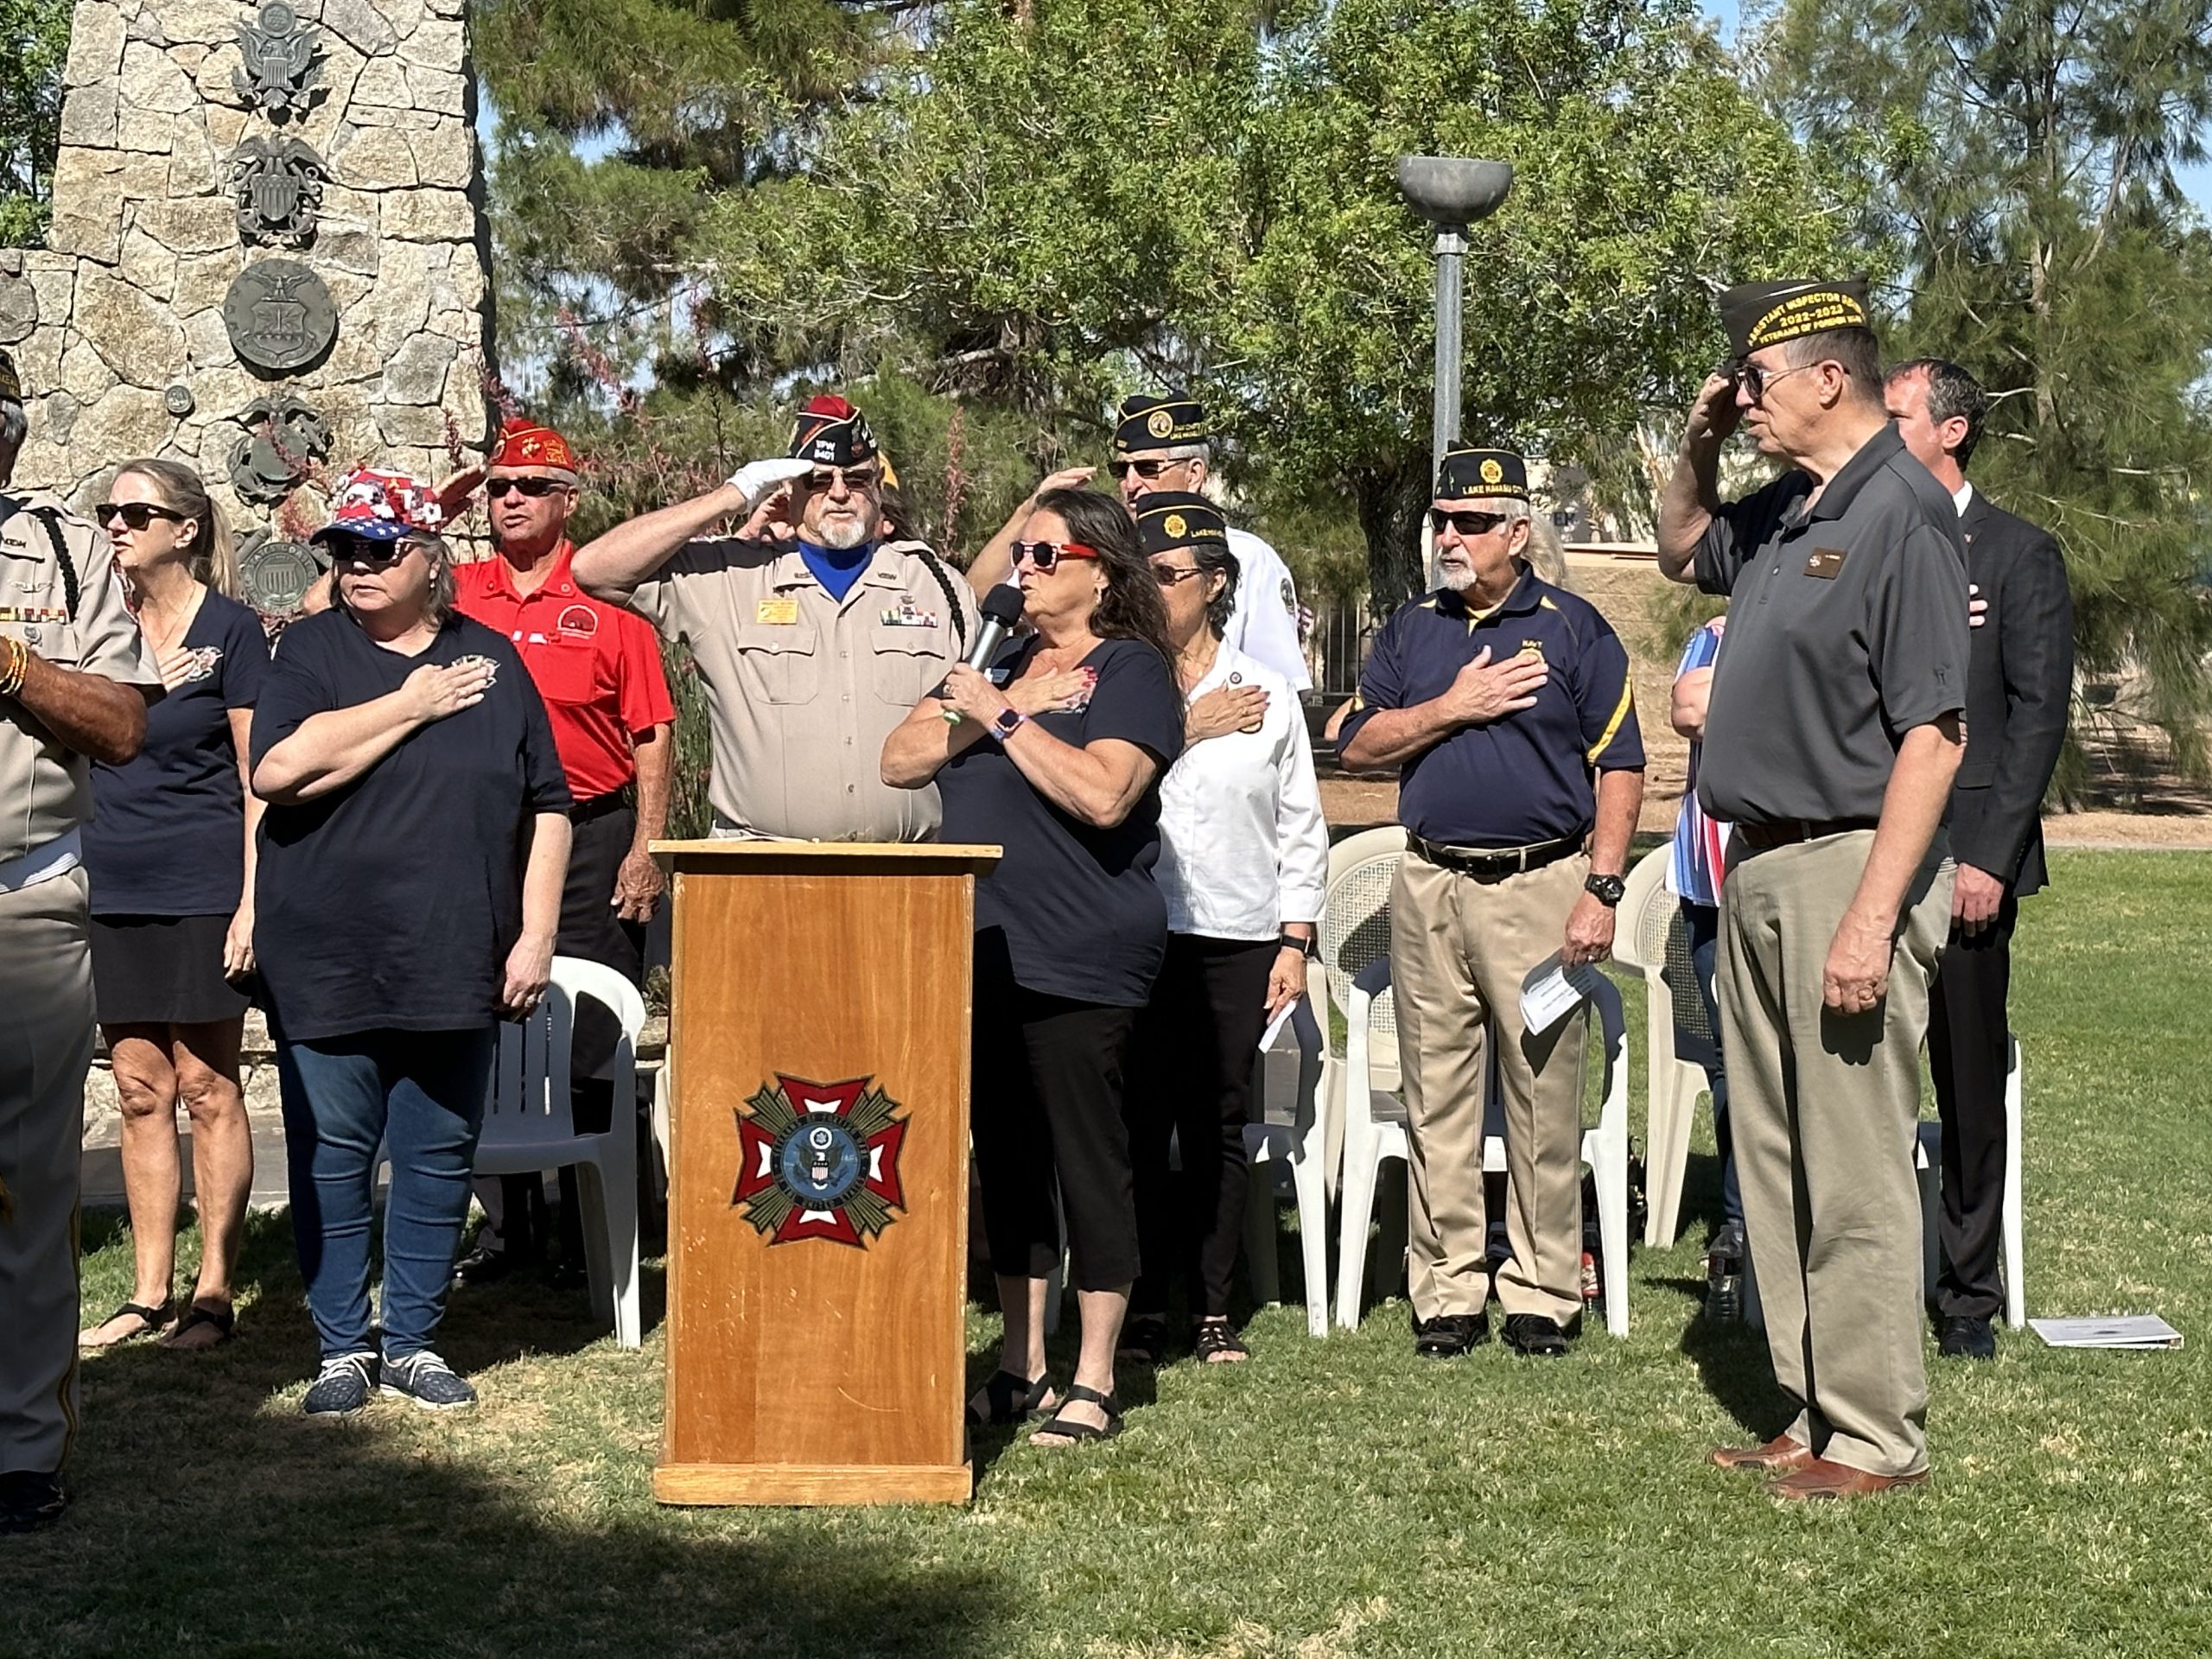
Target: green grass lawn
{"x":1332,"y":1498}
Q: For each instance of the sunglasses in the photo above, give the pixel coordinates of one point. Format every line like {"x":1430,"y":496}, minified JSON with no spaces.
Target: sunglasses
{"x":1044,"y":556}
{"x":136,"y":515}
{"x":822,"y":481}
{"x":369,"y":554}
{"x":1467,"y":524}
{"x":1146,"y":470}
{"x":1169,"y":575}
{"x":1755,"y":379}
{"x":533,"y":487}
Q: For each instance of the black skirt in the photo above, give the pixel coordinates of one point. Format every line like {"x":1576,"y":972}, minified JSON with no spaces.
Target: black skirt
{"x":156,"y":970}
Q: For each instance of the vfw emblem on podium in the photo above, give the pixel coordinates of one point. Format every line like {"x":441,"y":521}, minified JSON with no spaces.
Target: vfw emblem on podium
{"x":819,"y":1161}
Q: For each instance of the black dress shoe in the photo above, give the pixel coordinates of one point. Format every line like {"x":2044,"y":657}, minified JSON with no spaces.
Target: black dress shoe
{"x":481,"y":1267}
{"x":1535,"y":1336}
{"x":1966,"y":1338}
{"x":1450,"y":1335}
{"x":28,"y":1501}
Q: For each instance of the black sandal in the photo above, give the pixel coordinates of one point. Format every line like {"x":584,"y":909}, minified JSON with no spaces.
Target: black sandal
{"x":1144,"y":1340}
{"x":223,"y":1319}
{"x":152,"y":1321}
{"x":1014,"y":1399}
{"x":1075,"y":1433}
{"x":1217,"y":1342}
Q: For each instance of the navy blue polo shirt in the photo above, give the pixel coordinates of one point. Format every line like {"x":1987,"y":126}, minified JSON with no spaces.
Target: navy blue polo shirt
{"x":1530,"y":777}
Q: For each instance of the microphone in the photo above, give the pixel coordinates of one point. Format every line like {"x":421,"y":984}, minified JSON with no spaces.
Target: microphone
{"x":1002,"y":609}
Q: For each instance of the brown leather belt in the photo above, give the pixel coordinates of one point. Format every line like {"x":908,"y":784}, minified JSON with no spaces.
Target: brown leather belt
{"x":1788,"y":832}
{"x":1494,"y":861}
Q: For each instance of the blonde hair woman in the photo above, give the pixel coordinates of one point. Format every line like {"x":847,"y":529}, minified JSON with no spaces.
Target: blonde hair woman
{"x":170,"y":853}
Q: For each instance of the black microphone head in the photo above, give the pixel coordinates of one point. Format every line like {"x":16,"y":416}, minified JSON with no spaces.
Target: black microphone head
{"x":1003,"y":605}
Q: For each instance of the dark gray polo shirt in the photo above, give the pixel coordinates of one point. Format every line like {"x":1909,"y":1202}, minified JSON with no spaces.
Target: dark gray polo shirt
{"x":1848,"y":629}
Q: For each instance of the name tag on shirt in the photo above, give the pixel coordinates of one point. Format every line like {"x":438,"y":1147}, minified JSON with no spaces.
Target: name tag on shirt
{"x":779,"y":613}
{"x":1826,"y":563}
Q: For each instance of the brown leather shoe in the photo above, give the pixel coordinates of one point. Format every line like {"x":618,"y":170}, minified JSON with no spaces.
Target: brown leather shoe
{"x":1821,"y":1480}
{"x":1778,"y":1456}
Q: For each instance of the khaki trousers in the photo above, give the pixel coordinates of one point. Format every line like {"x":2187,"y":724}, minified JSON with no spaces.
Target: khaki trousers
{"x":1824,"y":1109}
{"x":1459,"y":947}
{"x":46,"y":987}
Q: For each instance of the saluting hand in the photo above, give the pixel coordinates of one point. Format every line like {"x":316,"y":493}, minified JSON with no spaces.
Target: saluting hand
{"x":1856,"y":976}
{"x":1224,"y":710}
{"x":1068,"y":478}
{"x":1714,"y":413}
{"x":433,"y":692}
{"x":1481,"y":692}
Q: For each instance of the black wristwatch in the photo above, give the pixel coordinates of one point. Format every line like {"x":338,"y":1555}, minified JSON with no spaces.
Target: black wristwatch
{"x":1308,"y":947}
{"x":1606,"y":889}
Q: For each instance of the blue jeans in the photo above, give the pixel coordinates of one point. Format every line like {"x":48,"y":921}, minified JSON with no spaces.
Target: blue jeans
{"x":1703,"y":923}
{"x":421,"y":1096}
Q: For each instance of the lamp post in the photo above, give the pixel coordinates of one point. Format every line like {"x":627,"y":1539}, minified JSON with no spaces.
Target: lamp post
{"x":1451,"y":192}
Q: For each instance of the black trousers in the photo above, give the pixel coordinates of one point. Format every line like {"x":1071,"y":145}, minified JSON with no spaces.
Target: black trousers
{"x":1048,"y":1114}
{"x":1967,"y":1032}
{"x":1191,"y":1067}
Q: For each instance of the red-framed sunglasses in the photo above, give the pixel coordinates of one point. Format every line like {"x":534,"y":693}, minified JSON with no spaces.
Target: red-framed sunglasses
{"x":1044,"y":556}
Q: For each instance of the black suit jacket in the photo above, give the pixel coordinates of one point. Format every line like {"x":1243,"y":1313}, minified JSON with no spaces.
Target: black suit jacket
{"x":2019,"y":683}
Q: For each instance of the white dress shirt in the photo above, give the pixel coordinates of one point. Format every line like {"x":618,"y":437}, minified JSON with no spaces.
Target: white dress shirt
{"x":1242,"y":847}
{"x":1264,"y":620}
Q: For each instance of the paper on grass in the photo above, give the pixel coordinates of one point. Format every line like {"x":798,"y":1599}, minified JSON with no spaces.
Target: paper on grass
{"x":1553,"y":990}
{"x":2123,"y":1330}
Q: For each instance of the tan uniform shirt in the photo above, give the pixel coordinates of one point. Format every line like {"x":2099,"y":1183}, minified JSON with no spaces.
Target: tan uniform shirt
{"x":803,"y":689}
{"x":46,"y":791}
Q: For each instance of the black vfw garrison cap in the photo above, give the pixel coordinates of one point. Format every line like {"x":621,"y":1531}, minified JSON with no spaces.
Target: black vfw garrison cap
{"x":1758,"y":315}
{"x":1167,"y":520}
{"x":1468,"y":474}
{"x":11,"y":384}
{"x":1152,"y":422}
{"x":830,"y":432}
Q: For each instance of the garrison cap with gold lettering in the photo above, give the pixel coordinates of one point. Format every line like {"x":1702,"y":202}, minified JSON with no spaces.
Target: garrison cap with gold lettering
{"x":1470,"y":474}
{"x":830,"y":432}
{"x":1154,"y":422}
{"x":1758,"y":315}
{"x":1167,"y":520}
{"x":11,"y":384}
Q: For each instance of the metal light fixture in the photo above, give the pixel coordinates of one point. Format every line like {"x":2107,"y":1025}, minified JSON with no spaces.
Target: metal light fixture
{"x":1451,"y":192}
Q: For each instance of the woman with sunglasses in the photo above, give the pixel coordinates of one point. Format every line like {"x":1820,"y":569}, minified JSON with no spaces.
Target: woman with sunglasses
{"x":1056,"y":755}
{"x":169,"y":856}
{"x":1244,"y":863}
{"x":412,"y":866}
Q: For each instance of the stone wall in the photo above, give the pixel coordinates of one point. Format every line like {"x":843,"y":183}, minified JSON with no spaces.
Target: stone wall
{"x":120,"y":325}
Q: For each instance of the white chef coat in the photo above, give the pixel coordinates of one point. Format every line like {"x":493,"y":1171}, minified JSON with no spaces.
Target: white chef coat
{"x":1264,"y":620}
{"x":1243,"y":849}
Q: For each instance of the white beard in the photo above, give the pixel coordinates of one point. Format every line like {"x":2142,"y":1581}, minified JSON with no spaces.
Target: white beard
{"x":1456,"y":577}
{"x":842,"y":535}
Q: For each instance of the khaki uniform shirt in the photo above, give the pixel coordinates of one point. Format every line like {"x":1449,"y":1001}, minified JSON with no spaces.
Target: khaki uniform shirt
{"x":46,"y":790}
{"x":803,"y":688}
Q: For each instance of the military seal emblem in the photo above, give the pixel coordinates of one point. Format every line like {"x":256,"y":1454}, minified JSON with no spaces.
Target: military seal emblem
{"x":819,"y":1161}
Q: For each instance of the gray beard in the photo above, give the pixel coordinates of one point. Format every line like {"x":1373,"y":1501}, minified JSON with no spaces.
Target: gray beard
{"x":843,"y":535}
{"x":1458,"y":578}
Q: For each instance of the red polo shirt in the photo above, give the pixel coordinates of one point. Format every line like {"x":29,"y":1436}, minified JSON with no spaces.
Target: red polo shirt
{"x":597,"y":666}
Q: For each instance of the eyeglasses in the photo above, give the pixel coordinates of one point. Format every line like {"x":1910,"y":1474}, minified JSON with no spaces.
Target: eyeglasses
{"x":369,"y":554}
{"x":1467,"y":524}
{"x":1044,"y":556}
{"x":1168,"y":576}
{"x":1146,"y":470}
{"x":136,"y":515}
{"x":533,"y":487}
{"x":866,"y":479}
{"x":1756,"y":379}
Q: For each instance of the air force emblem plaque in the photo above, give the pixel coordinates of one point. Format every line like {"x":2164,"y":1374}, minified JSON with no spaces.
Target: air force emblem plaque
{"x":819,"y":1161}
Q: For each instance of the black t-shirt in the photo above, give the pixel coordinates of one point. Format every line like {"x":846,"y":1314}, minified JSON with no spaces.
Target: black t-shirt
{"x":168,"y":832}
{"x":391,"y":904}
{"x":1077,"y":905}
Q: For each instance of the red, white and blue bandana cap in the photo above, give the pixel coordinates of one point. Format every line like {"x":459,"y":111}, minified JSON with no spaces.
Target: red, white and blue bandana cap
{"x":381,"y":507}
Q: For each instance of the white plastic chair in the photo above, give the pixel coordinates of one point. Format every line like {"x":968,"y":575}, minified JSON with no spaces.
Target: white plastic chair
{"x":1378,"y":1133}
{"x":1927,"y":1168}
{"x":1355,"y":931}
{"x":1292,"y":1130}
{"x":528,"y":1127}
{"x":1649,"y":917}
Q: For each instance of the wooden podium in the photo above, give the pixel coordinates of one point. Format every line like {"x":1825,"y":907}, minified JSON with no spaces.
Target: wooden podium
{"x":817,"y":1220}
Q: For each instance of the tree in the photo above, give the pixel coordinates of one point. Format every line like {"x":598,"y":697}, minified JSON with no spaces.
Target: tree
{"x":33,"y":42}
{"x":2022,"y":154}
{"x":1056,"y":202}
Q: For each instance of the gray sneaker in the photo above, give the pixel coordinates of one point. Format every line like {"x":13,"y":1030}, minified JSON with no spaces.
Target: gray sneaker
{"x":428,"y":1381}
{"x":342,"y":1387}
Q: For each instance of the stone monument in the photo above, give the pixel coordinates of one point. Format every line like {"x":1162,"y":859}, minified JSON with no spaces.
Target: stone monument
{"x":268,"y":254}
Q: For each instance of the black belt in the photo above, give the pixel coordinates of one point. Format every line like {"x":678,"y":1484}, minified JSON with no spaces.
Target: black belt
{"x":1495,"y":860}
{"x":598,"y":806}
{"x":1788,"y":832}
